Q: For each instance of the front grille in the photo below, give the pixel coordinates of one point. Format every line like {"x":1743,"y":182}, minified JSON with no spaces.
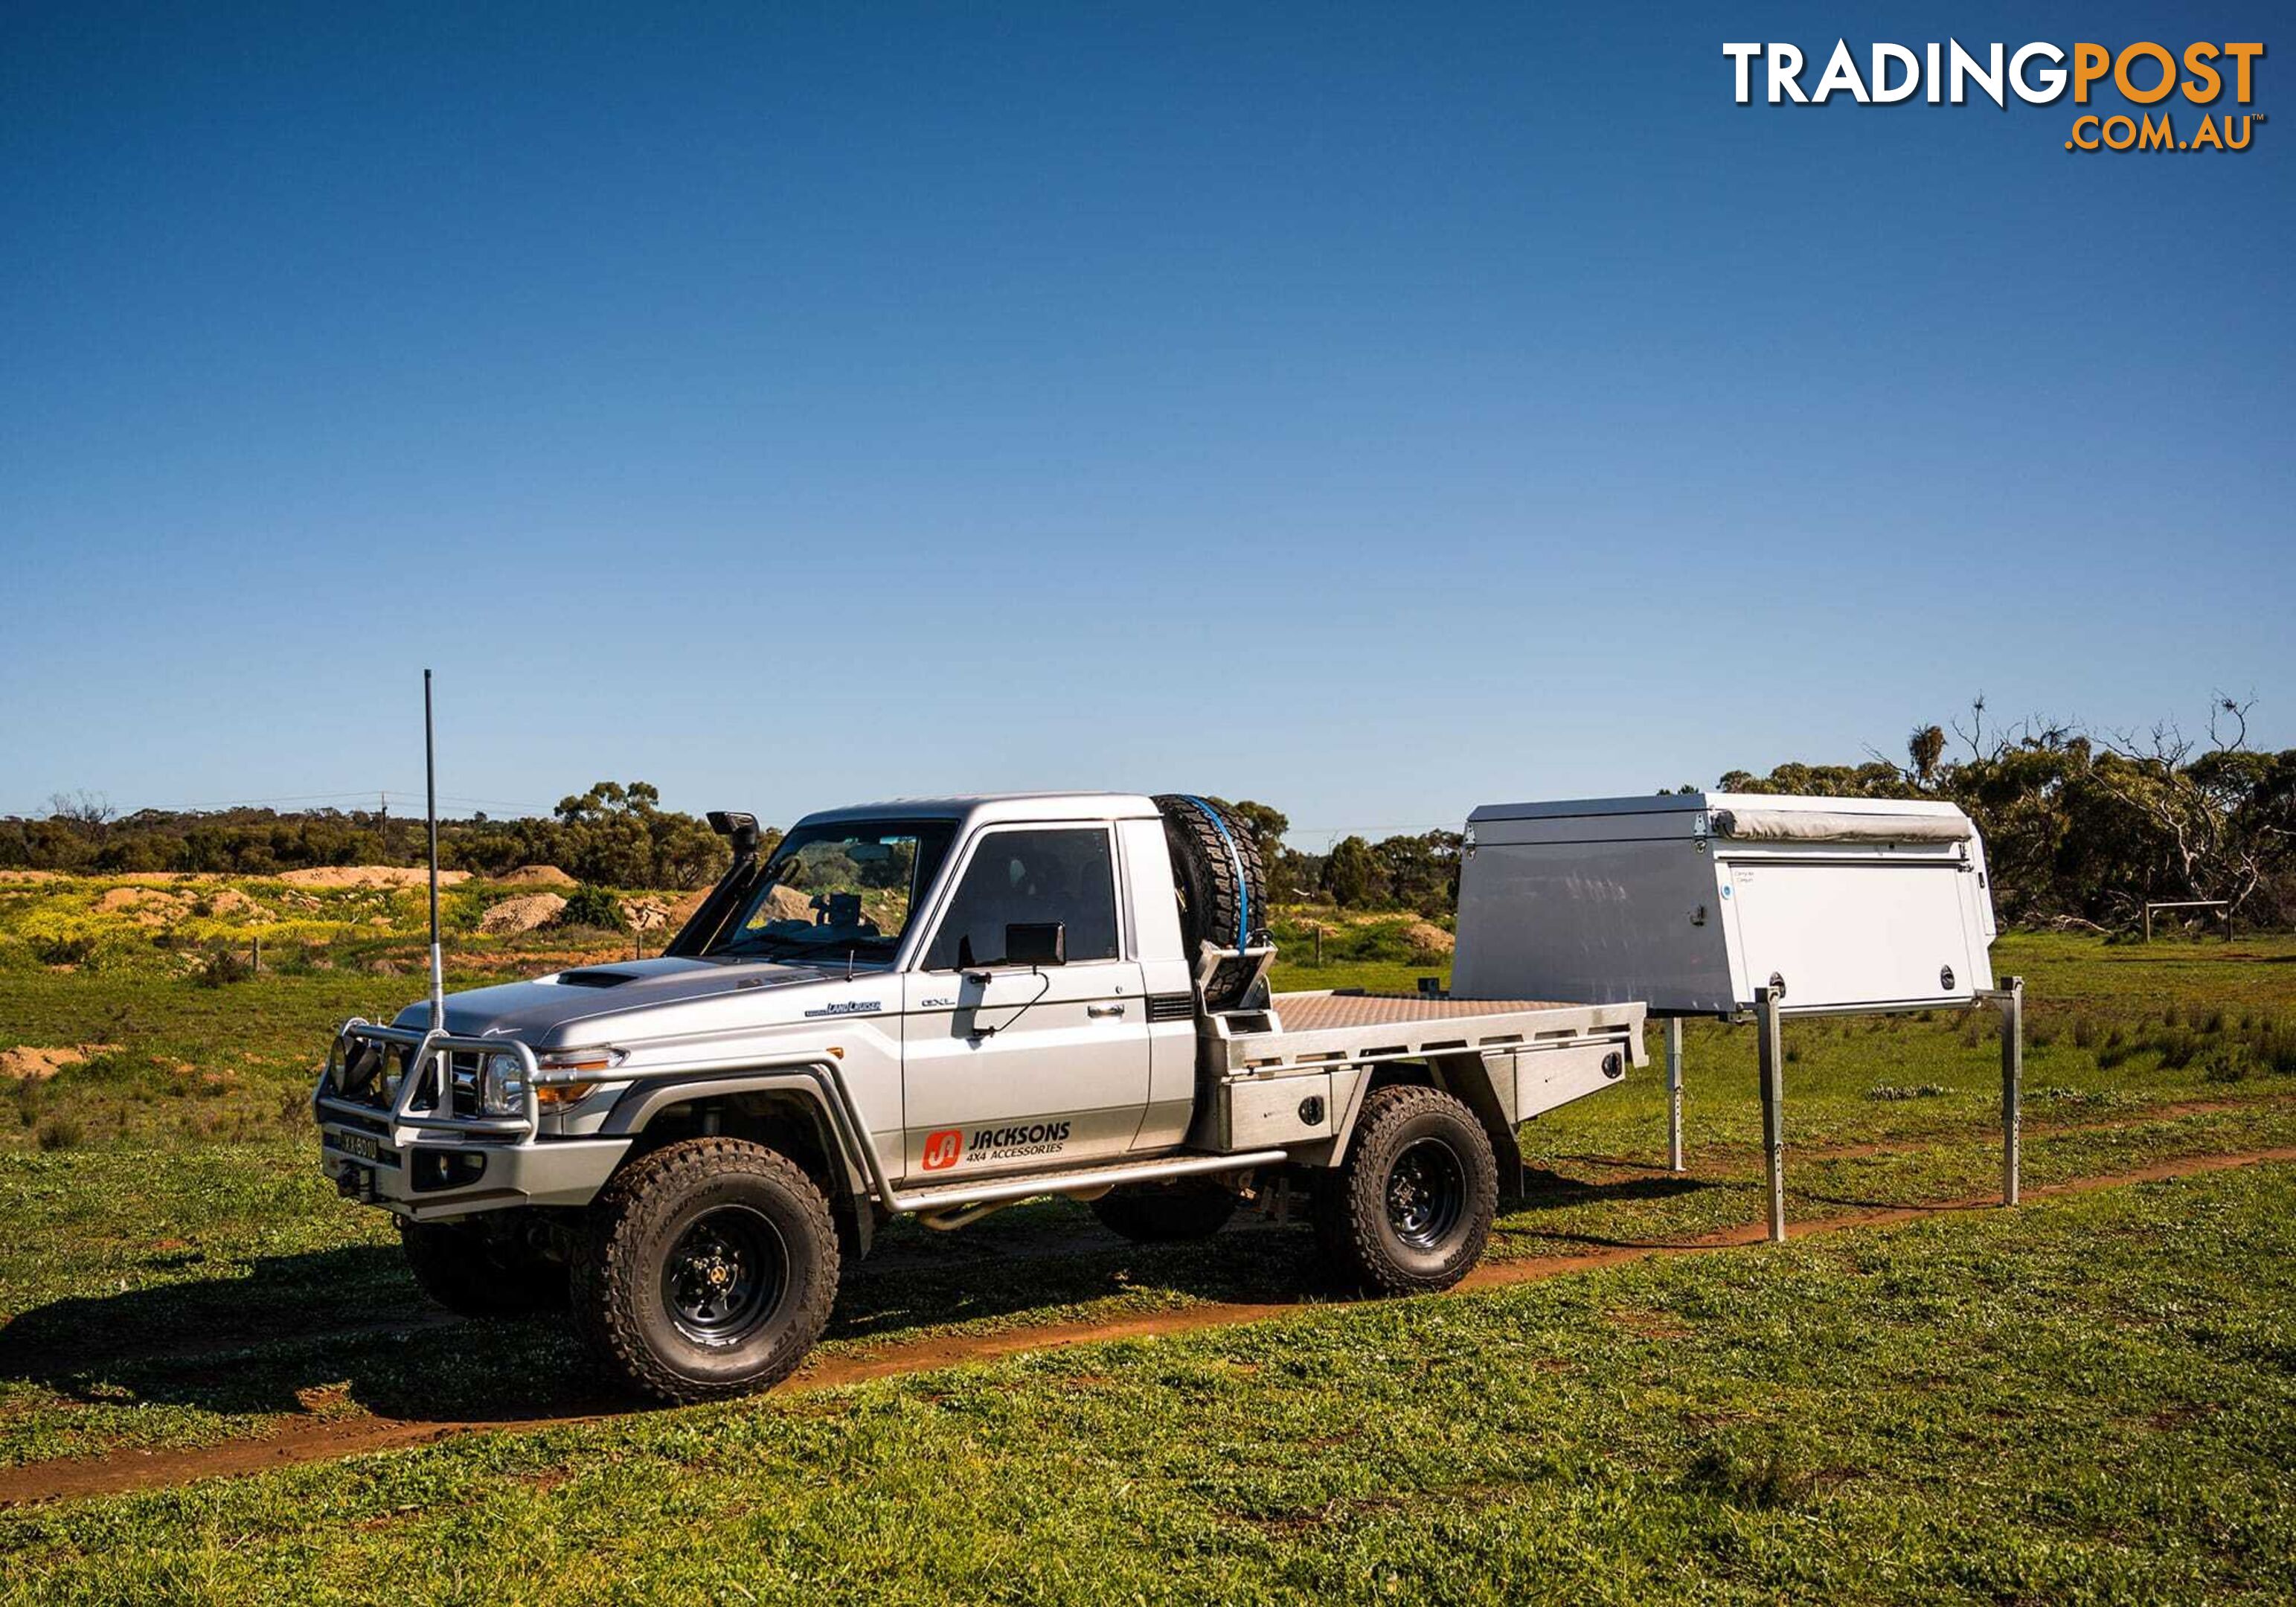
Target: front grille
{"x":464,"y":1081}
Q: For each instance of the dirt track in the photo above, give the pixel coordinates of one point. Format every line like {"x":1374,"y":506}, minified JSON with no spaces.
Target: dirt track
{"x":328,"y":1439}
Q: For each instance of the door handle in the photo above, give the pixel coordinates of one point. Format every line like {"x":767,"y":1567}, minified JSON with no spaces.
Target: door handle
{"x":1100,"y":1012}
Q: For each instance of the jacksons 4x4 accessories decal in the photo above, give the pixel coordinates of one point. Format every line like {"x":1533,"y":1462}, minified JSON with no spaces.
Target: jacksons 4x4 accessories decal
{"x":947,"y":1147}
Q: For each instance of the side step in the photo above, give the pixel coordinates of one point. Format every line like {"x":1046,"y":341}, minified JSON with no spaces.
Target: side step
{"x":1028,"y":1185}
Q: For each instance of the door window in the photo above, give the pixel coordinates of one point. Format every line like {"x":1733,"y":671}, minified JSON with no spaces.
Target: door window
{"x":1040,"y":874}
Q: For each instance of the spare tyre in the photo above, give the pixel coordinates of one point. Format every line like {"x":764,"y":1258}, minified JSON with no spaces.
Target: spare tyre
{"x":1223,"y":888}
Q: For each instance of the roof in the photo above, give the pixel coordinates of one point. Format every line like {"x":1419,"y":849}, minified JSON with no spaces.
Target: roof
{"x":1668,"y":803}
{"x":984,"y":807}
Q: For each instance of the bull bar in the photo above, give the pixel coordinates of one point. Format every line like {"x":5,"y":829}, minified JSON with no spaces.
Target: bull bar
{"x":429,"y":1063}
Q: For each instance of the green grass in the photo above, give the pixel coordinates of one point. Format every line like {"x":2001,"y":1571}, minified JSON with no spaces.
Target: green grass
{"x":164,"y":1287}
{"x":2087,"y":1400}
{"x":181,"y":1297}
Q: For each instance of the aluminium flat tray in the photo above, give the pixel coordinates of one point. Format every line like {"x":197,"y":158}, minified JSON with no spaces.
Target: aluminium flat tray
{"x":1308,"y":1031}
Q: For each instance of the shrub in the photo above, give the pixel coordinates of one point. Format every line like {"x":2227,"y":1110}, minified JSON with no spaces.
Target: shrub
{"x":1890,"y":1091}
{"x":2229,"y":1065}
{"x":222,"y":967}
{"x":69,"y":948}
{"x":592,"y":906}
{"x":59,"y":1132}
{"x":1765,"y":1479}
{"x":2274,"y":1047}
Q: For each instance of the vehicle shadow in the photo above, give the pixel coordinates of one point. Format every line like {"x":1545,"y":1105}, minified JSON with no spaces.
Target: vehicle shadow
{"x":1554,"y":1191}
{"x":294,"y":1333}
{"x":1550,"y":1190}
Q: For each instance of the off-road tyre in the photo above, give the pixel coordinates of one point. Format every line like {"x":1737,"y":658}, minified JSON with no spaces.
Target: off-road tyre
{"x":1172,"y":1213}
{"x":659,"y":1237}
{"x":1223,"y":887}
{"x":1409,"y":1210}
{"x":476,"y":1270}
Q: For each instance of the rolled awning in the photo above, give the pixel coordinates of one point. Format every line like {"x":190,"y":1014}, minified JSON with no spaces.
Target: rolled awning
{"x":1832,"y":826}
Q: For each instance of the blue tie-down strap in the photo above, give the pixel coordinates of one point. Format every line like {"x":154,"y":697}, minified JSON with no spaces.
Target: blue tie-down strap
{"x":1235,"y":864}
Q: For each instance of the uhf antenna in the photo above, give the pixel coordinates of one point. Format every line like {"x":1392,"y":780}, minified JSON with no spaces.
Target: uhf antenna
{"x":431,"y":786}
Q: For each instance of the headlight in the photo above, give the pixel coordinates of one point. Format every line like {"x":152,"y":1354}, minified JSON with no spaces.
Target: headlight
{"x":502,"y":1085}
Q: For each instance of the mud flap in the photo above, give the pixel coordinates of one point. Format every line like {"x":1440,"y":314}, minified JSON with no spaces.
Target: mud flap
{"x":1469,"y":1078}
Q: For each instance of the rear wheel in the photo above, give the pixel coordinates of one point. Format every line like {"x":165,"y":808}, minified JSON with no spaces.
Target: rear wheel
{"x":1165,"y":1214}
{"x":480,"y":1268}
{"x":1410,"y":1209}
{"x":709,"y":1270}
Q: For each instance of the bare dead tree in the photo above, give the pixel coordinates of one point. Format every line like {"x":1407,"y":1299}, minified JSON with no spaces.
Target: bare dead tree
{"x":2206,"y":858}
{"x":80,"y":808}
{"x":2223,"y":709}
{"x":1975,"y":736}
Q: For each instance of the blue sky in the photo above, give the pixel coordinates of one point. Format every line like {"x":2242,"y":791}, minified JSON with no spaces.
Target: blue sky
{"x":1375,"y":410}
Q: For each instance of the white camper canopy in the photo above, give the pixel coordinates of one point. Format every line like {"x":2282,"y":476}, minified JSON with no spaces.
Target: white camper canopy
{"x":1691,"y":901}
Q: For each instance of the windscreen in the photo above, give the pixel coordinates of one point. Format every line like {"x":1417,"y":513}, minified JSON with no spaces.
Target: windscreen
{"x":830,"y":891}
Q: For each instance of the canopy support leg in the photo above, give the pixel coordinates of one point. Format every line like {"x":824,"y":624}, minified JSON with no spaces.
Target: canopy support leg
{"x":1674,"y":1093}
{"x":2010,"y":997}
{"x":1774,"y":1100}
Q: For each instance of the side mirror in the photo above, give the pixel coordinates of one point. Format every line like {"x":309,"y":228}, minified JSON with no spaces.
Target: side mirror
{"x":1036,"y":943}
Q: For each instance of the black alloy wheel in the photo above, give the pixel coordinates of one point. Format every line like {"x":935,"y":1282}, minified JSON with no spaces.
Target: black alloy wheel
{"x":724,"y":1276}
{"x":1426,"y":1194}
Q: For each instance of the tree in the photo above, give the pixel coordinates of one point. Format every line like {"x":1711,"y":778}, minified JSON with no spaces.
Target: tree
{"x":1351,"y":873}
{"x":1420,"y":873}
{"x":1924,"y":751}
{"x":80,"y":808}
{"x":617,"y":834}
{"x":2082,"y":830}
{"x":1267,"y":825}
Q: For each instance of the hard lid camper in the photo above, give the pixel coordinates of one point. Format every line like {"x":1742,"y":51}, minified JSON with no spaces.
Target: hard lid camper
{"x":1691,"y":901}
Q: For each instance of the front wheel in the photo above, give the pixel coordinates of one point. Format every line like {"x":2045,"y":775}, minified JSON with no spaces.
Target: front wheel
{"x":1409,"y":1210}
{"x":709,"y":1271}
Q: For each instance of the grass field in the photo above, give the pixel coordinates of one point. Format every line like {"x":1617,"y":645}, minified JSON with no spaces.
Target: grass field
{"x":2088,"y":1398}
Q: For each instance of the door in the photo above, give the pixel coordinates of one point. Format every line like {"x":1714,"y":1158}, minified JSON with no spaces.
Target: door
{"x":1854,"y":932}
{"x":1012,"y":1067}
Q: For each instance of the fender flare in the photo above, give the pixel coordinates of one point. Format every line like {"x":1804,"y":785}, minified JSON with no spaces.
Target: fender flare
{"x":818,"y":1084}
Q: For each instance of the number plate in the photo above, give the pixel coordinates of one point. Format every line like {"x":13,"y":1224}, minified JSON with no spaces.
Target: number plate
{"x":358,"y":1146}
